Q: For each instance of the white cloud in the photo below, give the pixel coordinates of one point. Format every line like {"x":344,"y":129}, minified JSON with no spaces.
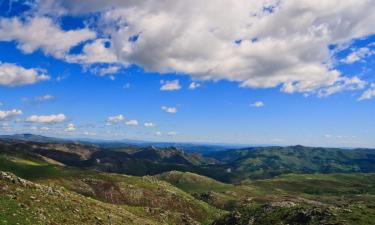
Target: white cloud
{"x":158,"y":133}
{"x":4,"y":115}
{"x":5,"y":127}
{"x":44,"y":98}
{"x":169,"y":109}
{"x":13,"y":75}
{"x":149,"y":124}
{"x":194,"y":85}
{"x":328,"y":136}
{"x":368,"y":94}
{"x":172,"y":133}
{"x":256,"y":47}
{"x":115,"y":119}
{"x":257,"y":104}
{"x":58,"y":118}
{"x":343,"y":84}
{"x":170,"y":85}
{"x":96,"y":52}
{"x":89,"y":133}
{"x":132,"y":123}
{"x":42,"y":33}
{"x":44,"y":128}
{"x":109,"y":70}
{"x":70,"y":128}
{"x":358,"y":55}
{"x":182,"y":37}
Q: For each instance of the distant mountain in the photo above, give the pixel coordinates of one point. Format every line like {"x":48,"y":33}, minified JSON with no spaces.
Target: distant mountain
{"x":125,"y":143}
{"x":312,"y":189}
{"x":30,"y":137}
{"x":231,"y":166}
{"x":265,"y":162}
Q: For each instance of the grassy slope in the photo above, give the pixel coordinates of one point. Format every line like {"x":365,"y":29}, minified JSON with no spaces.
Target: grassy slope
{"x":23,"y":202}
{"x":145,"y":196}
{"x":353,"y":195}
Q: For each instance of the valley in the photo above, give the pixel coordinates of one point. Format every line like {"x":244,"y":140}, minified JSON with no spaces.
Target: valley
{"x":68,"y":182}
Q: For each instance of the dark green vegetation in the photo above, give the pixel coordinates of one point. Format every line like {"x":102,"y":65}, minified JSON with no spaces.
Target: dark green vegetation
{"x":81,"y":183}
{"x":266,"y":162}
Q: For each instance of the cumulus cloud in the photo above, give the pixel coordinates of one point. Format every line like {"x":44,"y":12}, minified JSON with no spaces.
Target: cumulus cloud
{"x":115,"y":119}
{"x":4,"y":115}
{"x":169,"y":109}
{"x":44,"y":98}
{"x":132,"y":123}
{"x":194,"y":85}
{"x":149,"y":124}
{"x":70,"y":128}
{"x":358,"y":55}
{"x":13,"y":75}
{"x":257,"y":104}
{"x":42,"y":33}
{"x":368,"y":94}
{"x":256,"y":47}
{"x":54,"y":118}
{"x":170,"y":85}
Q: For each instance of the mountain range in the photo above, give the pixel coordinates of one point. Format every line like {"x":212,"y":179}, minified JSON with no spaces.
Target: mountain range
{"x":57,"y":181}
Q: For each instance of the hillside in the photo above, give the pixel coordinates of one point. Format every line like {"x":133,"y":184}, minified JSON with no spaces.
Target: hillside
{"x":265,"y":162}
{"x":184,"y":191}
{"x":25,"y":202}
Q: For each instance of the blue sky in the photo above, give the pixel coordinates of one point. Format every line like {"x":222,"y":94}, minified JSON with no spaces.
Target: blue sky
{"x":147,"y":71}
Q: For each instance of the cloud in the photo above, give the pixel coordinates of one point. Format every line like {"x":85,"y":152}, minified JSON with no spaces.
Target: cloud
{"x":194,"y":85}
{"x":247,"y":44}
{"x":169,"y":109}
{"x":42,"y":33}
{"x":86,"y":133}
{"x":358,"y":55}
{"x":158,"y":133}
{"x":58,"y":118}
{"x":96,"y":52}
{"x":257,"y":104}
{"x":115,"y":119}
{"x":4,"y":115}
{"x":368,"y":94}
{"x":5,"y":127}
{"x":132,"y":123}
{"x":328,"y":136}
{"x":343,"y":84}
{"x":44,"y":129}
{"x":44,"y":98}
{"x":109,"y":70}
{"x":170,"y":85}
{"x":12,"y":75}
{"x":149,"y":124}
{"x":172,"y":133}
{"x":70,"y":128}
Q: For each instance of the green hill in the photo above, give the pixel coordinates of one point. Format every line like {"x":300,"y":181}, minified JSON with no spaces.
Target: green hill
{"x":265,"y":162}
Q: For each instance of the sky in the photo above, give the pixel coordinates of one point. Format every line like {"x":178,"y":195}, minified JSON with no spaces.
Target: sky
{"x":254,"y":72}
